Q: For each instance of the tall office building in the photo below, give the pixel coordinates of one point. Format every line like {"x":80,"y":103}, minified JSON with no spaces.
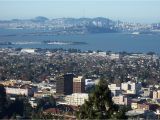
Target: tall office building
{"x":64,"y":84}
{"x":78,"y":85}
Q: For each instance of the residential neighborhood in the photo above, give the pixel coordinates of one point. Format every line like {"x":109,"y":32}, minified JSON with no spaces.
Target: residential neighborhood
{"x":69,"y":78}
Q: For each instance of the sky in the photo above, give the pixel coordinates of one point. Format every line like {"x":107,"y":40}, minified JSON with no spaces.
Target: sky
{"x":143,"y":11}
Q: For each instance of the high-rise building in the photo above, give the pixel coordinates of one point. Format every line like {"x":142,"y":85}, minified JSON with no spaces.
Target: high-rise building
{"x":78,"y":85}
{"x":64,"y":84}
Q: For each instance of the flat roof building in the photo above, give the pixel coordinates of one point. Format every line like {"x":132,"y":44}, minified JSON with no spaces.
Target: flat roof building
{"x":76,"y":99}
{"x":78,"y":84}
{"x":64,"y":84}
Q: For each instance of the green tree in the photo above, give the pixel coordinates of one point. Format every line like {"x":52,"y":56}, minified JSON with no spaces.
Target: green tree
{"x":44,"y":103}
{"x":27,"y":109}
{"x":3,"y":101}
{"x":18,"y":106}
{"x":100,"y":105}
{"x":121,"y":112}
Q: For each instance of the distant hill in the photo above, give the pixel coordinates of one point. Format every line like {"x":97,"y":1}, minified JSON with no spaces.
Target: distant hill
{"x":77,"y":25}
{"x":39,"y":19}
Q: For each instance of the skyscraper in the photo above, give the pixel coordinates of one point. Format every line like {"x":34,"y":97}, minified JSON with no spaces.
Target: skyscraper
{"x":64,"y":84}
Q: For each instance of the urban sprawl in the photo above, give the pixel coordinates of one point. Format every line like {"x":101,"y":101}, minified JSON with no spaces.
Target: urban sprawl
{"x":66,"y":26}
{"x":66,"y":77}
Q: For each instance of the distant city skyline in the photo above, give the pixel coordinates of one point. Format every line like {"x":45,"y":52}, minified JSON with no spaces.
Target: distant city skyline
{"x":143,"y":11}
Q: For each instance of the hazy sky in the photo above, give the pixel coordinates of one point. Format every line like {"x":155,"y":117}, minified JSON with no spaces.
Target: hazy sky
{"x":126,"y":10}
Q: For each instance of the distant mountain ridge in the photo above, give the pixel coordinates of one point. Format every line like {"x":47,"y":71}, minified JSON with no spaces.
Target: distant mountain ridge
{"x":77,"y":25}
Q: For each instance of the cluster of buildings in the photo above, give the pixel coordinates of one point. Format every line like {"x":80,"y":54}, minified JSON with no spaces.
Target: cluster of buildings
{"x":68,"y":87}
{"x":73,"y":88}
{"x":70,"y":90}
{"x":144,"y":101}
{"x":65,"y":24}
{"x":19,"y":87}
{"x":121,"y":94}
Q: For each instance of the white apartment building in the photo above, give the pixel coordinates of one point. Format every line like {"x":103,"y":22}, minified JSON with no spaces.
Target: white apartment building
{"x":76,"y":99}
{"x":131,"y":87}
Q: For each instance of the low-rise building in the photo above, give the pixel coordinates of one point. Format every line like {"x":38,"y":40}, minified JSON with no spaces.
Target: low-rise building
{"x":134,"y":105}
{"x":41,"y":94}
{"x":131,"y":87}
{"x":115,"y":91}
{"x":156,"y":94}
{"x":28,"y":50}
{"x":26,"y":90}
{"x":76,"y":99}
{"x":120,"y":100}
{"x":147,"y":106}
{"x":146,"y":92}
{"x":115,"y":56}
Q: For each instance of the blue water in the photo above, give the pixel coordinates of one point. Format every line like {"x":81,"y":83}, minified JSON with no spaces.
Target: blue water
{"x":116,"y":42}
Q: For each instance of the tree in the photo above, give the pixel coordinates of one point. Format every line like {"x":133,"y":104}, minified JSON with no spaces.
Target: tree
{"x":100,"y":104}
{"x":121,"y":112}
{"x":3,"y":101}
{"x":45,"y":103}
{"x":18,"y":106}
{"x":27,"y":111}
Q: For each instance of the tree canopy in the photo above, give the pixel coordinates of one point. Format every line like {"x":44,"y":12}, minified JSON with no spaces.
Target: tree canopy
{"x":3,"y":100}
{"x":100,"y":105}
